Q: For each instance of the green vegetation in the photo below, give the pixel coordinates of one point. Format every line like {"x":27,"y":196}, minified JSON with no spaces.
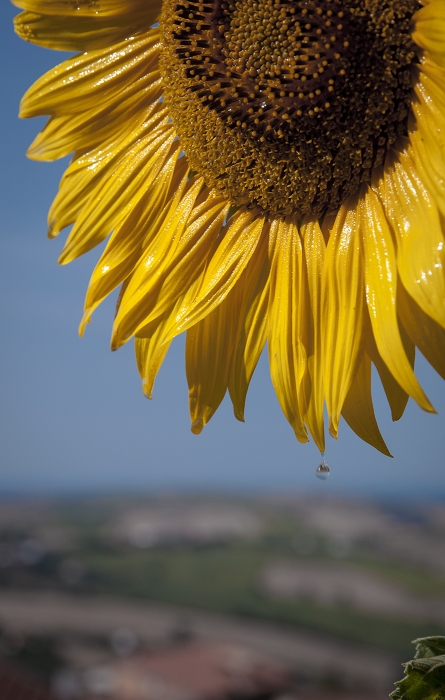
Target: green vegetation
{"x":225,"y":579}
{"x":413,"y":580}
{"x":425,"y":674}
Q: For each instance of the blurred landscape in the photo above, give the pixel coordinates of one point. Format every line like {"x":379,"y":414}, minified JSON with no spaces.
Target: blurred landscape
{"x":179,"y":597}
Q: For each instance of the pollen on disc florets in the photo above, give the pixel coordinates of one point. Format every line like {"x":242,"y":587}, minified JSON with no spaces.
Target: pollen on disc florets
{"x":287,"y":105}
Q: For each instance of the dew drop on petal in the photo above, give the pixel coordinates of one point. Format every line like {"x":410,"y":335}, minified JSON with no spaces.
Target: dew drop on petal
{"x":322,"y":471}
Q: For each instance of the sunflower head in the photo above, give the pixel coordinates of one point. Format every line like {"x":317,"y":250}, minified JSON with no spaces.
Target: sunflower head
{"x":288,"y":106}
{"x":265,"y":171}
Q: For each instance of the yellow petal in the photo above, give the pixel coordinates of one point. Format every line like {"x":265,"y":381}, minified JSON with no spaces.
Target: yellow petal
{"x":92,"y":77}
{"x":150,"y":353}
{"x":179,"y":272}
{"x":314,"y":254}
{"x":429,"y":107}
{"x":342,"y":310}
{"x":87,"y":8}
{"x":430,"y":71}
{"x":427,"y":127}
{"x":423,"y":331}
{"x":430,"y":166}
{"x":83,"y":33}
{"x":287,"y":356}
{"x":328,"y":224}
{"x":430,"y":82}
{"x":420,"y":246}
{"x":124,"y":248}
{"x":397,"y":397}
{"x":209,"y":348}
{"x":253,"y":290}
{"x":358,"y":410}
{"x":98,"y":125}
{"x":144,"y":299}
{"x":152,"y":291}
{"x":429,"y":29}
{"x":116,"y":197}
{"x":223,"y":270}
{"x":84,"y":177}
{"x":381,"y":288}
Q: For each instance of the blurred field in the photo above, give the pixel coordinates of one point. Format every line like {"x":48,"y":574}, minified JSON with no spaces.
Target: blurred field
{"x":348,"y":575}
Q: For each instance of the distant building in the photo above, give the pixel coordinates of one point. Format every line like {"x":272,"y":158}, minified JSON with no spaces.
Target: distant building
{"x":194,"y":524}
{"x":347,"y":524}
{"x":194,"y":671}
{"x":335,"y":583}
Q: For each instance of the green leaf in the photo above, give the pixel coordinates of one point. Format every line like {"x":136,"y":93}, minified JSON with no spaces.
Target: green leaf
{"x":425,"y":674}
{"x":429,"y":646}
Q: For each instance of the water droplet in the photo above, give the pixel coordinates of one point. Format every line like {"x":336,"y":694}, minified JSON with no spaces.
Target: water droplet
{"x":322,"y":471}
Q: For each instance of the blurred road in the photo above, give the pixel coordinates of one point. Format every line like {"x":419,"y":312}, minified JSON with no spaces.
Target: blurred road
{"x":55,"y":613}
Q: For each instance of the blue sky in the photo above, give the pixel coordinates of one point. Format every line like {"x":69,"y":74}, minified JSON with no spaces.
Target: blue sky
{"x":73,"y":417}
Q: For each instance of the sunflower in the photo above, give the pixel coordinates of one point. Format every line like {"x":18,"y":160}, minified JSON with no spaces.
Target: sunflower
{"x":264,"y":171}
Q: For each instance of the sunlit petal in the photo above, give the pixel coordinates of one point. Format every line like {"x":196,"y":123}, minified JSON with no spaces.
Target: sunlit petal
{"x":420,"y":248}
{"x":314,"y":255}
{"x":381,"y":289}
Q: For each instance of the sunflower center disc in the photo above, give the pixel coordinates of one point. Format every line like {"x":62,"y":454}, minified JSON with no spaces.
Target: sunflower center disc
{"x":287,"y":106}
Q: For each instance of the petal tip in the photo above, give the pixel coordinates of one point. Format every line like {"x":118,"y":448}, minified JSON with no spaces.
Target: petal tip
{"x":333,"y":431}
{"x":147,"y":389}
{"x":197,"y":426}
{"x":115,"y":344}
{"x":86,"y":318}
{"x":239,"y":415}
{"x":64,"y":257}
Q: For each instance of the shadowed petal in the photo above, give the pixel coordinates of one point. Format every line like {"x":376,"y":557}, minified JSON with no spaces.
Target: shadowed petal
{"x":397,"y":397}
{"x":425,"y":333}
{"x":208,"y":354}
{"x":358,"y":410}
{"x":252,"y":327}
